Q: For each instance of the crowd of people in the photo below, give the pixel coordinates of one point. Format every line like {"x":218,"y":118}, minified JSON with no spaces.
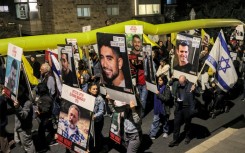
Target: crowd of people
{"x":171,"y":92}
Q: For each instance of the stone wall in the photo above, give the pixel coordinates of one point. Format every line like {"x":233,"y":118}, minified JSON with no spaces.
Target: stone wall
{"x":60,"y":16}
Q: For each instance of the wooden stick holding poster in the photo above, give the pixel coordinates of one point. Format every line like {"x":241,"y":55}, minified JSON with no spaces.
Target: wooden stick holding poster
{"x":75,"y":119}
{"x":12,"y":75}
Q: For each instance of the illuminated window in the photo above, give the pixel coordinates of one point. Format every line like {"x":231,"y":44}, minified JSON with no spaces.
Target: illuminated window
{"x":145,"y":9}
{"x":171,"y":1}
{"x":112,"y":10}
{"x":4,"y":9}
{"x":83,"y":10}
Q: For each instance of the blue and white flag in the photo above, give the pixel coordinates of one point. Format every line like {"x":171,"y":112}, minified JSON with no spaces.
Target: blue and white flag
{"x":220,"y":61}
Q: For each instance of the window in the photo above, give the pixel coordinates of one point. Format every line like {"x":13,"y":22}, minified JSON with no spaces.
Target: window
{"x":4,"y":9}
{"x":169,"y":2}
{"x":83,"y":10}
{"x":112,"y":10}
{"x":145,"y":9}
{"x":26,"y":9}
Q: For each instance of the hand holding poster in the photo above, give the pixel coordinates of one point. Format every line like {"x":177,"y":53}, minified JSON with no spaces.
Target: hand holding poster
{"x":187,"y":56}
{"x":75,"y":120}
{"x":13,"y":71}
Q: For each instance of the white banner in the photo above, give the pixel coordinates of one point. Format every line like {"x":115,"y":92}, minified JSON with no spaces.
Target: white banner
{"x":78,"y":97}
{"x":134,"y":29}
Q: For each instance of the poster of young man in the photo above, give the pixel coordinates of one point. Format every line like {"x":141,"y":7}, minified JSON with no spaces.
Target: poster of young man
{"x":116,"y":129}
{"x":149,"y":68}
{"x":134,"y":39}
{"x":67,"y":65}
{"x":186,"y":58}
{"x":115,"y":67}
{"x":12,"y":75}
{"x":75,"y":119}
{"x":75,"y":51}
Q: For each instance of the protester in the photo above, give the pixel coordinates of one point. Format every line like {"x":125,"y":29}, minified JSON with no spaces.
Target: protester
{"x":218,"y":99}
{"x":132,"y":124}
{"x":48,"y":78}
{"x":98,"y":117}
{"x":4,"y":144}
{"x":161,"y":108}
{"x":44,"y":113}
{"x":35,"y":66}
{"x":184,"y":109}
{"x":83,"y":75}
{"x":164,"y":68}
{"x":137,"y":70}
{"x":204,"y":73}
{"x":23,"y":119}
{"x":97,"y":72}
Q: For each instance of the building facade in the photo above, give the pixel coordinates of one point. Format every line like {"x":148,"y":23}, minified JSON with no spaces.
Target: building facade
{"x":34,"y":17}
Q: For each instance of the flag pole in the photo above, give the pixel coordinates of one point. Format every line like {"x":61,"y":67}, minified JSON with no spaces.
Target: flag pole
{"x":200,"y":73}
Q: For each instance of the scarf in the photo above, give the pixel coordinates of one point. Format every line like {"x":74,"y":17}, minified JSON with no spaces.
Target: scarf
{"x":158,"y":106}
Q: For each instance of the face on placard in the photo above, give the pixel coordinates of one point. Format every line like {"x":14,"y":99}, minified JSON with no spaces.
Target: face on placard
{"x":64,"y":62}
{"x":12,"y":77}
{"x":73,"y":116}
{"x":136,"y":44}
{"x":182,"y":53}
{"x":110,"y":62}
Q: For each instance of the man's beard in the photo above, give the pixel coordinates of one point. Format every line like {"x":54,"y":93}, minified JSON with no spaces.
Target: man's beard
{"x":109,"y":80}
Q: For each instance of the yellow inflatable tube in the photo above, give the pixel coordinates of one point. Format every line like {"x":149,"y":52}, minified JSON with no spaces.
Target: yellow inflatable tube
{"x":42,"y":42}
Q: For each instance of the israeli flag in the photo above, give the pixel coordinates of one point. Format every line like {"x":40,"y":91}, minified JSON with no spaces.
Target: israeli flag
{"x":220,"y":61}
{"x":57,"y":72}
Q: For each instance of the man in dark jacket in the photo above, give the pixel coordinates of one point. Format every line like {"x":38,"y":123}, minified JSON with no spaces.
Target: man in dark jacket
{"x":44,"y":113}
{"x":4,"y":146}
{"x":184,"y":109}
{"x":23,"y":119}
{"x":35,"y":65}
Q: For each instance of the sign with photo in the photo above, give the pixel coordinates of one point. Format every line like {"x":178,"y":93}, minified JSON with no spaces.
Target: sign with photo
{"x":116,"y":130}
{"x":239,"y":32}
{"x":75,"y":51}
{"x":12,"y":75}
{"x":68,"y":71}
{"x":75,"y":119}
{"x":186,"y":58}
{"x":115,"y":66}
{"x":149,"y":68}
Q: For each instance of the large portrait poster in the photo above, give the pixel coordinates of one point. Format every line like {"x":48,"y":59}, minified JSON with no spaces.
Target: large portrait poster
{"x":115,"y":67}
{"x":68,"y":71}
{"x":186,"y":58}
{"x":148,"y":68}
{"x":12,"y":75}
{"x":116,"y":130}
{"x":75,"y":119}
{"x":134,"y":39}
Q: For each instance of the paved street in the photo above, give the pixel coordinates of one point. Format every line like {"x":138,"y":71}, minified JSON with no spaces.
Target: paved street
{"x":203,"y":129}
